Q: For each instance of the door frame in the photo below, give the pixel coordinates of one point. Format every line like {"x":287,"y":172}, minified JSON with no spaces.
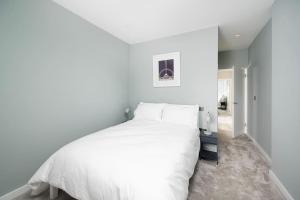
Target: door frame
{"x":242,"y":128}
{"x":244,"y":108}
{"x":246,"y":96}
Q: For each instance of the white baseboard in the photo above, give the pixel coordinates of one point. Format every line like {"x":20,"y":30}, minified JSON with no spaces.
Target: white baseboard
{"x":285,"y":193}
{"x":16,"y":193}
{"x":262,"y":151}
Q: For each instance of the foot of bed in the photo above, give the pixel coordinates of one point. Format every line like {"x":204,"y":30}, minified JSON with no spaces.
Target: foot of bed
{"x":53,"y":192}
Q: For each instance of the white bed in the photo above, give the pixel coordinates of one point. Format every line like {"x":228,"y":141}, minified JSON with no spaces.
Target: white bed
{"x":136,"y":160}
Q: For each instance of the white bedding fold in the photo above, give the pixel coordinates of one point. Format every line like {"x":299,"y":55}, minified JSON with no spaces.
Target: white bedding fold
{"x":136,"y":160}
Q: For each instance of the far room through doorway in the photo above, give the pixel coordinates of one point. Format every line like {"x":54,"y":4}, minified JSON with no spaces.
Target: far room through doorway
{"x":225,"y":99}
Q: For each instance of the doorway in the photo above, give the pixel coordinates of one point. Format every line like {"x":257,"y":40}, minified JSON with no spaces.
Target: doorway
{"x":225,"y":102}
{"x":233,"y":101}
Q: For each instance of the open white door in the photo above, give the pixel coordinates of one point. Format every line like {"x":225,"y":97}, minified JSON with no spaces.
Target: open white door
{"x":238,"y":101}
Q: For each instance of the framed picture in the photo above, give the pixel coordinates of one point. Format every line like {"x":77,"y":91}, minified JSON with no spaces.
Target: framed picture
{"x":166,"y":70}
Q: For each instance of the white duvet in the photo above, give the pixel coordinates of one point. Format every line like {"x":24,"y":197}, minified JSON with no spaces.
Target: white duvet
{"x":136,"y":160}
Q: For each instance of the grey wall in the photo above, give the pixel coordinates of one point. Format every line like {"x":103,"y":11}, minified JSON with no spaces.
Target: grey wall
{"x":60,"y":78}
{"x":260,"y":80}
{"x":199,"y":63}
{"x":286,"y":93}
{"x":238,"y":58}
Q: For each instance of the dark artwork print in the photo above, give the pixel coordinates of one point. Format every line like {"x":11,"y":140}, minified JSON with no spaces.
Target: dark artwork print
{"x":166,"y":69}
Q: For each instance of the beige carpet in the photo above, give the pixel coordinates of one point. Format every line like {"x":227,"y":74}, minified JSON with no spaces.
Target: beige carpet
{"x":242,"y":174}
{"x":225,"y":123}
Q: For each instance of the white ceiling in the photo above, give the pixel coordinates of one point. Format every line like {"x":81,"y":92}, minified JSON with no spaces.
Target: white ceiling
{"x":135,"y":21}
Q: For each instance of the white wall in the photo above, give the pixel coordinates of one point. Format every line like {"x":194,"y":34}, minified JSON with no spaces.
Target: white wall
{"x":225,"y":74}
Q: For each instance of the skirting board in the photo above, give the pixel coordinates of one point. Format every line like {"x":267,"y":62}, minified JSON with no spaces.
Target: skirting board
{"x":16,"y":193}
{"x":280,"y":186}
{"x":262,"y":151}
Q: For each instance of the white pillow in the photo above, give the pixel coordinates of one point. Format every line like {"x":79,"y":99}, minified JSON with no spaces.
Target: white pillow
{"x":181,"y":114}
{"x":149,"y":111}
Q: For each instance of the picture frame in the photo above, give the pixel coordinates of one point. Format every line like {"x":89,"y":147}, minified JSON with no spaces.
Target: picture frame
{"x":166,"y":70}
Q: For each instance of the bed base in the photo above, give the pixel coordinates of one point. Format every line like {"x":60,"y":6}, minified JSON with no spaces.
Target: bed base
{"x":53,"y":192}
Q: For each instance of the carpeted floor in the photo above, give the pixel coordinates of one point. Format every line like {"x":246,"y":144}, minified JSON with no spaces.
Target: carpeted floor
{"x":242,"y":174}
{"x":225,"y":123}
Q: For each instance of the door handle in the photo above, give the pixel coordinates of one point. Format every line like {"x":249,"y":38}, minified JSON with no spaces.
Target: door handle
{"x":235,"y":103}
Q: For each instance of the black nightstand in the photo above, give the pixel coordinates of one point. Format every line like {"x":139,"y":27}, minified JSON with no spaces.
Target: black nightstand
{"x":211,"y":140}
